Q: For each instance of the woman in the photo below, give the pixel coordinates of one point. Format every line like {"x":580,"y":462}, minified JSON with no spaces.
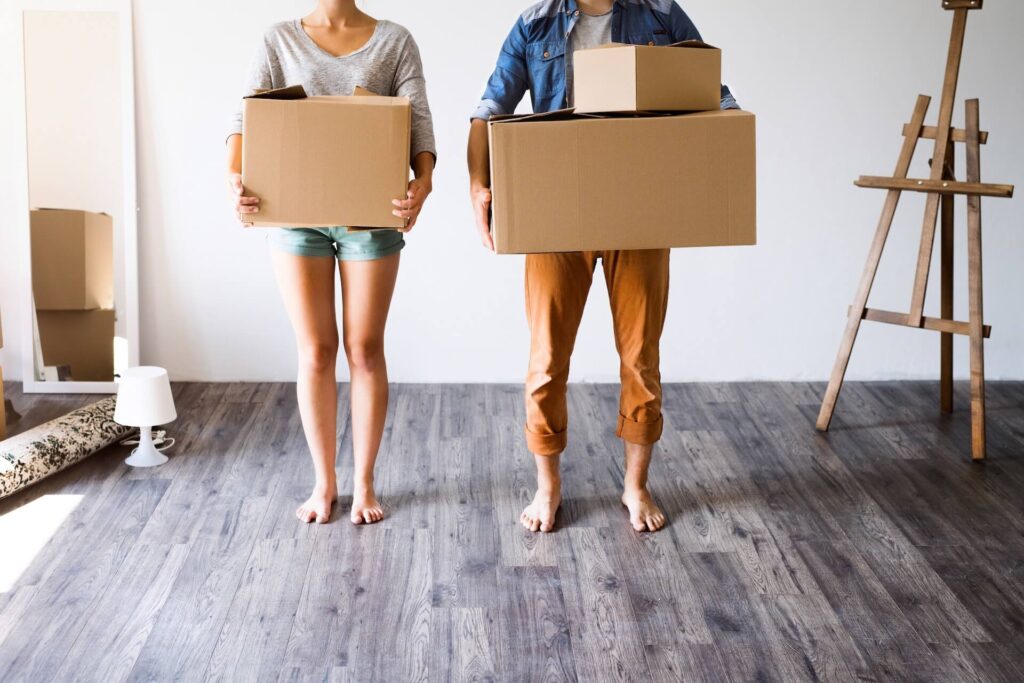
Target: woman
{"x":331,"y":51}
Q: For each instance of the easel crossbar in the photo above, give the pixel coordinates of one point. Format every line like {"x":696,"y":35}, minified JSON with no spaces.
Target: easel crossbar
{"x":936,"y":186}
{"x":934,"y":324}
{"x":932,"y":132}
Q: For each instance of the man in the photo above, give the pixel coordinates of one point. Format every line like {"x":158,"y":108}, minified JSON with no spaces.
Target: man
{"x":538,"y":56}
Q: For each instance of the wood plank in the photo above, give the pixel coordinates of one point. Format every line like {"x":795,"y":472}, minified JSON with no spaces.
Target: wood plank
{"x":946,"y":305}
{"x":534,"y":626}
{"x":936,"y":187}
{"x":935,"y":324}
{"x":975,"y":296}
{"x":944,"y":125}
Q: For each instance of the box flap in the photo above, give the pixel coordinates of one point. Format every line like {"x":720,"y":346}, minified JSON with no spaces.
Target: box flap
{"x":696,"y":44}
{"x":360,"y":91}
{"x":292,"y":92}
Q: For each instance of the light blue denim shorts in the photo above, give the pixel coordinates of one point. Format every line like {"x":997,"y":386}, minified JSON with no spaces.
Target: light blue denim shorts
{"x":339,"y":243}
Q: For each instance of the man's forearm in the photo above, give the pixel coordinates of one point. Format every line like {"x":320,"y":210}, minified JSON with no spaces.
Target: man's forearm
{"x":478,"y":155}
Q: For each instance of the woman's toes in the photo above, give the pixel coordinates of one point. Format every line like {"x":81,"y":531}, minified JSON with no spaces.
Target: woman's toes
{"x":357,"y":518}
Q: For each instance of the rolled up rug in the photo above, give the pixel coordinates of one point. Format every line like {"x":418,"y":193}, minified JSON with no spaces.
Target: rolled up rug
{"x":36,"y":454}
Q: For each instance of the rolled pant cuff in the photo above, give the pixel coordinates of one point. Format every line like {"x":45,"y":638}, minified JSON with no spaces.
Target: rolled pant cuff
{"x":545,"y":444}
{"x":641,"y":433}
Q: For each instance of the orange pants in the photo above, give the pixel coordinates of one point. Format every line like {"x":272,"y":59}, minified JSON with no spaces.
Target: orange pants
{"x":557,"y":286}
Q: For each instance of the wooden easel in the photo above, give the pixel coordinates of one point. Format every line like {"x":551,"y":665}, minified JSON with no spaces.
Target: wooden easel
{"x":941,"y":188}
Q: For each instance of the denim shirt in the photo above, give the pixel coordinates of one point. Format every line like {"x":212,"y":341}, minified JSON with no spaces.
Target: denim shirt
{"x":534,"y":54}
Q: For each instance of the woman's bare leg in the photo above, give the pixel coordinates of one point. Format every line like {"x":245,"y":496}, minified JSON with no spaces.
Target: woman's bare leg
{"x":367,"y":287}
{"x":307,"y":286}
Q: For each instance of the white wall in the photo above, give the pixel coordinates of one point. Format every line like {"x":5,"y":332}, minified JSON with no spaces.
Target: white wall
{"x":832,"y":84}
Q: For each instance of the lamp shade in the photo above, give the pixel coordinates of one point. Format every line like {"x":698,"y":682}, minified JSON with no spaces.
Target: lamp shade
{"x":144,"y":398}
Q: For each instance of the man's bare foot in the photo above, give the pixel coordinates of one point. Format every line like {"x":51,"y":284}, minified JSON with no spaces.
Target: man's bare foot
{"x":644,"y":513}
{"x":365,"y":508}
{"x":318,"y":507}
{"x":540,"y":514}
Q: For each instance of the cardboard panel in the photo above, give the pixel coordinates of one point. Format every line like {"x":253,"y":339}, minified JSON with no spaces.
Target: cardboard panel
{"x":72,"y":260}
{"x":637,"y":78}
{"x":624,"y":183}
{"x":83,"y":340}
{"x":327,"y":161}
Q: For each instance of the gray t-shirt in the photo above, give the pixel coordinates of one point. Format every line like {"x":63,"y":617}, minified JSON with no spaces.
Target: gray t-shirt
{"x":389,"y":64}
{"x":589,"y":31}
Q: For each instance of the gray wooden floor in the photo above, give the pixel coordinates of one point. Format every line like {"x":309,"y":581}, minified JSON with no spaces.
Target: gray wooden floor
{"x":877,"y":552}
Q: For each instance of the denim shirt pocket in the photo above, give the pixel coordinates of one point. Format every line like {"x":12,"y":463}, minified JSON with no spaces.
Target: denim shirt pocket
{"x":650,"y":38}
{"x":546,"y":63}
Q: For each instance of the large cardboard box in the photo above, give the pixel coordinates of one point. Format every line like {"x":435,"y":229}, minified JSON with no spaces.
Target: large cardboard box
{"x":83,"y":340}
{"x":629,"y":78}
{"x":561,"y":182}
{"x":72,"y":260}
{"x":326,"y":161}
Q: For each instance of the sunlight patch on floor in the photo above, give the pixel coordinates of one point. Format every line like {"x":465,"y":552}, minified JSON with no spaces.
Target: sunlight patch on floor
{"x":24,"y":532}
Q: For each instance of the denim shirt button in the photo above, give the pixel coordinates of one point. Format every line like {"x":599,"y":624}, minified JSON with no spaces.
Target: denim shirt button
{"x":546,"y":54}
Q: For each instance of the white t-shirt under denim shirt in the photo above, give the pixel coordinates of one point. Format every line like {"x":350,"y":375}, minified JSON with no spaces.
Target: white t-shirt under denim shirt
{"x":389,"y":64}
{"x":589,"y":31}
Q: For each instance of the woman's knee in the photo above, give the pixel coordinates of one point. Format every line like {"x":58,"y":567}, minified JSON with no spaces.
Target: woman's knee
{"x":319,"y":356}
{"x":365,"y":354}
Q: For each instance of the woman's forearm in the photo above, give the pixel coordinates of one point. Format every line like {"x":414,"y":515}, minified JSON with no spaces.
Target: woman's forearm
{"x":235,"y":154}
{"x":423,"y":167}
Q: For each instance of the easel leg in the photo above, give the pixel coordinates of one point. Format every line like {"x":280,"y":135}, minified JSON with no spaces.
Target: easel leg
{"x":948,"y":220}
{"x":974,"y":274}
{"x":835,"y":384}
{"x":867,"y":279}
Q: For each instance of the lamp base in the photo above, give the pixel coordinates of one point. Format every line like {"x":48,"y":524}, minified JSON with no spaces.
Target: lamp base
{"x":146,"y":455}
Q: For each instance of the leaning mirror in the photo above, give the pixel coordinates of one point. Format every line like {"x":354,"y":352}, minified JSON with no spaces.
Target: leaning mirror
{"x":80,"y":160}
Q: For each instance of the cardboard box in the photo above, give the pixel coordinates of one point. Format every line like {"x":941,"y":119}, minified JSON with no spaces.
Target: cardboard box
{"x":635,"y":78}
{"x":72,"y":260}
{"x":561,"y":182}
{"x":326,"y":161}
{"x":83,"y":340}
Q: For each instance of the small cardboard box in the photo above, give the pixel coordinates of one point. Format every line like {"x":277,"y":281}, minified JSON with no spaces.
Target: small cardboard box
{"x":72,"y":260}
{"x":326,"y":161}
{"x":635,"y":78}
{"x":562,"y":182}
{"x":83,"y":340}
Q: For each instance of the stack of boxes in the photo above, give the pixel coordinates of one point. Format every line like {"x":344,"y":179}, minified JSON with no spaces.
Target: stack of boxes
{"x":646,"y":160}
{"x":73,"y":286}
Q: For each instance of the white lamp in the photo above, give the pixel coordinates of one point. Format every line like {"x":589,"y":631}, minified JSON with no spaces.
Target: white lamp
{"x":144,"y":400}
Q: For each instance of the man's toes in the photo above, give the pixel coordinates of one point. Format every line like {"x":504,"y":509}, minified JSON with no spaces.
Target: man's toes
{"x":534,"y":524}
{"x":356,"y":518}
{"x":321,"y":518}
{"x":546,"y":526}
{"x":367,"y":517}
{"x":637,"y":523}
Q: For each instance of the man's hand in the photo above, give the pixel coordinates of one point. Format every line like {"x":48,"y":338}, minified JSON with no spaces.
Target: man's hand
{"x":410,"y":207}
{"x":245,"y":205}
{"x":481,"y":198}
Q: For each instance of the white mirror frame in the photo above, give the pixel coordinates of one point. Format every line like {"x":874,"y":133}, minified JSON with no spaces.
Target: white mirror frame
{"x":129,"y":308}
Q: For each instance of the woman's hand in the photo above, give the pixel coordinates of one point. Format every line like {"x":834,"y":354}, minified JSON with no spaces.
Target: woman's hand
{"x":245,"y":205}
{"x":481,"y":198}
{"x":410,"y":207}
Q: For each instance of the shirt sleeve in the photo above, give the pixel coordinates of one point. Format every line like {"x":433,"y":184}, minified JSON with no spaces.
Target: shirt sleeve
{"x":683,"y":28}
{"x":508,"y":84}
{"x":261,"y":77}
{"x":410,"y":82}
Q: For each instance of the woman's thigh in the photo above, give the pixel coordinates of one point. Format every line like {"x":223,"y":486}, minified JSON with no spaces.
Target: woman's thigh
{"x":366,"y":290}
{"x":307,"y":287}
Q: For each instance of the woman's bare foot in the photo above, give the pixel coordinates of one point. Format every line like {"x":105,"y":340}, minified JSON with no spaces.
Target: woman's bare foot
{"x":319,"y":505}
{"x":540,"y":514}
{"x":644,"y":513}
{"x":365,"y":508}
